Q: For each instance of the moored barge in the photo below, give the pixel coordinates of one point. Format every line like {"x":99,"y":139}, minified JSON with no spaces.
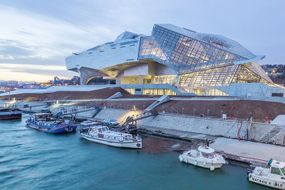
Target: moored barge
{"x":10,"y":114}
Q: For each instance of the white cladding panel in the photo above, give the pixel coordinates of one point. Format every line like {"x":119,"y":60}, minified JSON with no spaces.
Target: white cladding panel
{"x":105,"y":56}
{"x":140,"y":69}
{"x":251,"y":89}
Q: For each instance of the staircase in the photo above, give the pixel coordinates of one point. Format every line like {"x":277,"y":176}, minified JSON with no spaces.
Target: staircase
{"x":116,"y":95}
{"x":98,"y":109}
{"x":160,"y":100}
{"x":267,"y":138}
{"x":131,"y":122}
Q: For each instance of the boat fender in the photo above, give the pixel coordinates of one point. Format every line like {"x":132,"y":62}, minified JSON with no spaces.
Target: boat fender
{"x":180,"y":158}
{"x":212,"y":168}
{"x":195,"y":163}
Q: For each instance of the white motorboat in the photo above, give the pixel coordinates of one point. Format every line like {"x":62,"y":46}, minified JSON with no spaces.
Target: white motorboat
{"x":102,"y":134}
{"x":88,"y":123}
{"x":271,"y":176}
{"x":204,"y":156}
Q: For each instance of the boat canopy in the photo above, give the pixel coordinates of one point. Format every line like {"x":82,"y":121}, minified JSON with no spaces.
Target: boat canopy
{"x":277,"y":164}
{"x":206,"y":149}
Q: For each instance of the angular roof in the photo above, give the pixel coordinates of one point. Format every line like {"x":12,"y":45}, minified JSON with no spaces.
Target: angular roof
{"x":219,"y":41}
{"x":126,"y":35}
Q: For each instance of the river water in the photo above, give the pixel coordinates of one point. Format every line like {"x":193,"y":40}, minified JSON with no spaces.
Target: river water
{"x":32,"y":160}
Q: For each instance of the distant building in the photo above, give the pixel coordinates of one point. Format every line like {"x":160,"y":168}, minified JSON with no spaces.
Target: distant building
{"x":75,"y":80}
{"x":175,"y":60}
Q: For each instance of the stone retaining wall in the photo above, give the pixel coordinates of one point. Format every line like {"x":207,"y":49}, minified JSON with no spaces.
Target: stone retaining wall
{"x":236,"y":129}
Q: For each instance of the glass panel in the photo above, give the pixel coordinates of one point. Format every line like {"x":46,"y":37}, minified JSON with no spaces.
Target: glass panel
{"x":210,"y":77}
{"x":245,"y":75}
{"x":164,"y":79}
{"x":275,"y":171}
{"x":183,"y":53}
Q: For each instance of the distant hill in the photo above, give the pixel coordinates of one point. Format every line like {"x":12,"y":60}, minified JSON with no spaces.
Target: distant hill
{"x":276,"y":73}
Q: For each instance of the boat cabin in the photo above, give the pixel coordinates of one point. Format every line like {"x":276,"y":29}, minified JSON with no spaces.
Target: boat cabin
{"x":277,"y":168}
{"x":99,"y":129}
{"x":89,"y":123}
{"x":103,"y":129}
{"x":104,"y":132}
{"x":206,"y":152}
{"x":43,"y":117}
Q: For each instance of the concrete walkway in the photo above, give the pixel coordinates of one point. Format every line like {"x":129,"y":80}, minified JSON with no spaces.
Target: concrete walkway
{"x":250,"y":152}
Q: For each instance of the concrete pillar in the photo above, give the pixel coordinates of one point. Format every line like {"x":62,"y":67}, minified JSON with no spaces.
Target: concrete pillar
{"x":86,"y":74}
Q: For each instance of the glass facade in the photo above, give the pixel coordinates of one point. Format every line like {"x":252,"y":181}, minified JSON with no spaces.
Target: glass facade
{"x":221,"y":76}
{"x":190,"y":61}
{"x":201,"y":65}
{"x":164,"y":79}
{"x":158,"y":92}
{"x":183,"y":53}
{"x":148,"y":91}
{"x":246,"y":75}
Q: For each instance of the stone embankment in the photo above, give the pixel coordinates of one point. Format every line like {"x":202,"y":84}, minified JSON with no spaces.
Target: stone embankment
{"x":189,"y":127}
{"x":240,"y":140}
{"x":234,"y":107}
{"x":182,"y":125}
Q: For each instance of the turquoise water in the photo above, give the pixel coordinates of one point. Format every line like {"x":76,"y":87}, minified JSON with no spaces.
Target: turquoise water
{"x":34,"y":160}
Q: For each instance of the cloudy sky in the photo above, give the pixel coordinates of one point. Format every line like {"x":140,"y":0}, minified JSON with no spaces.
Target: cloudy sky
{"x":36,"y":36}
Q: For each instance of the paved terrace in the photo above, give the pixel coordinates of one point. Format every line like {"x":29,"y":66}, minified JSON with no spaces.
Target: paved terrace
{"x":249,"y":151}
{"x":235,"y":107}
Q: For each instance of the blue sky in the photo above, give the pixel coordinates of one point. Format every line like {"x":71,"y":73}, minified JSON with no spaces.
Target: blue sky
{"x":36,"y":36}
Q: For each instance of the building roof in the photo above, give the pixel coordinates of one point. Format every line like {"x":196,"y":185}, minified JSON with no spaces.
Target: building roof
{"x":213,"y":39}
{"x":126,"y":35}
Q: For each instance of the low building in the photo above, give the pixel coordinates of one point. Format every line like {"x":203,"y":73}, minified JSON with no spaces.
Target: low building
{"x":175,"y":61}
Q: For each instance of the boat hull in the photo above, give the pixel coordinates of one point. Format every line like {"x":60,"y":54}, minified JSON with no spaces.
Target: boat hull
{"x":266,"y":181}
{"x":197,"y":162}
{"x":10,"y":116}
{"x":54,"y":130}
{"x":131,"y":144}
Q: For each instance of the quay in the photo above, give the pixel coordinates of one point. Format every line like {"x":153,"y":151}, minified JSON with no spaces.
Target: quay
{"x":242,"y":139}
{"x":248,"y":152}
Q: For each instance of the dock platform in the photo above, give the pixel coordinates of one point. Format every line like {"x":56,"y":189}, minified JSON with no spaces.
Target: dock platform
{"x":249,"y":152}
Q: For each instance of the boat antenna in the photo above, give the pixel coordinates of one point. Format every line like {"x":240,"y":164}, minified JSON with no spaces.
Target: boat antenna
{"x":207,"y":142}
{"x":269,"y":162}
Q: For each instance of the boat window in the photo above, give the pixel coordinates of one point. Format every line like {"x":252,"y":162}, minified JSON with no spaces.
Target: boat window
{"x":100,"y":130}
{"x":193,"y":153}
{"x":275,"y":171}
{"x":207,"y":155}
{"x":127,"y":137}
{"x":104,"y":129}
{"x":283,"y":171}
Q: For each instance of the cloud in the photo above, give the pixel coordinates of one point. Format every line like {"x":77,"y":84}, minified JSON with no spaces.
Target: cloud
{"x":29,"y":36}
{"x":30,"y":72}
{"x":30,"y":43}
{"x":11,"y":50}
{"x":45,"y":32}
